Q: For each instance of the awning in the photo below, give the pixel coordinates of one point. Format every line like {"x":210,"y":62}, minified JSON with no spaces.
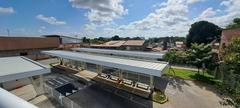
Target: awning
{"x":144,"y":67}
{"x":18,"y":67}
{"x":138,"y":54}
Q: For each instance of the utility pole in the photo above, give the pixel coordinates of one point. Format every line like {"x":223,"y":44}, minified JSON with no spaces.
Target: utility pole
{"x":8,"y":32}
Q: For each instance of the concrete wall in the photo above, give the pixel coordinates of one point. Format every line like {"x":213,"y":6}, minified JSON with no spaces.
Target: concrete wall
{"x":10,"y":85}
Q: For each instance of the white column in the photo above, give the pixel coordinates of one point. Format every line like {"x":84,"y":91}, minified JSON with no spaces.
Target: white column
{"x":99,"y":69}
{"x":41,"y":82}
{"x":151,"y":81}
{"x":121,"y":74}
{"x":83,"y":65}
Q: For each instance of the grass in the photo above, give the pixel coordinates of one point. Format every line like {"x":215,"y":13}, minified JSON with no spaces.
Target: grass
{"x":192,"y":75}
{"x":159,"y":97}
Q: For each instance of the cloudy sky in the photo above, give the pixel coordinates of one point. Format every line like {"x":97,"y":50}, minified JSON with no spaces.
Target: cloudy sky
{"x":126,"y":18}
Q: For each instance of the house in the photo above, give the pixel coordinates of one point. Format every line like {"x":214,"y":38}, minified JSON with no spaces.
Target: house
{"x":179,"y":45}
{"x":27,"y":46}
{"x":122,"y":44}
{"x":227,"y":36}
{"x":109,"y":45}
{"x":134,"y":45}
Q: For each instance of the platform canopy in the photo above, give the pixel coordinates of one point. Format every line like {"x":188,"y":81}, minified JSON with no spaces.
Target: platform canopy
{"x":139,"y":54}
{"x":144,"y":67}
{"x":13,"y":68}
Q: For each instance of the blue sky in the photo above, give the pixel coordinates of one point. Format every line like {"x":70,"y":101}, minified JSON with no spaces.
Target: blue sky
{"x":127,"y":18}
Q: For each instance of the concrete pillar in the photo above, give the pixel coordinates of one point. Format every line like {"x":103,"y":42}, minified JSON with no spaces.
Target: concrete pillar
{"x":99,"y":69}
{"x":120,"y":74}
{"x":151,"y":82}
{"x":41,"y":82}
{"x":83,"y":65}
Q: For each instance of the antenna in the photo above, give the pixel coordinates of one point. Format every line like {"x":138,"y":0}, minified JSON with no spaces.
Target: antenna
{"x":8,"y":32}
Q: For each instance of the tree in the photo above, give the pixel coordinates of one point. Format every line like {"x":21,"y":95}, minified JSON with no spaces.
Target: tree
{"x":235,"y":24}
{"x":230,"y":67}
{"x":200,"y":55}
{"x":202,"y":32}
{"x":116,"y":37}
{"x":171,"y":57}
{"x":85,"y":40}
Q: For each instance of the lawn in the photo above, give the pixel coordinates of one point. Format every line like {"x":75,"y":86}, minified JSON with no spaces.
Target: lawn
{"x":192,"y":75}
{"x":159,"y":97}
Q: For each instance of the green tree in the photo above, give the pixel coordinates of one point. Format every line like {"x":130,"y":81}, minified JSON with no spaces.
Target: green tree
{"x":200,"y":55}
{"x":231,"y":69}
{"x":85,"y":40}
{"x":235,"y":24}
{"x":171,"y":57}
{"x":202,"y":32}
{"x":116,"y":37}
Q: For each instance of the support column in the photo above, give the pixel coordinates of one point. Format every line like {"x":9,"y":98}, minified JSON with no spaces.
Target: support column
{"x":83,"y":65}
{"x":121,"y":75}
{"x":99,"y":69}
{"x":61,"y":61}
{"x":151,"y":81}
{"x":41,"y":83}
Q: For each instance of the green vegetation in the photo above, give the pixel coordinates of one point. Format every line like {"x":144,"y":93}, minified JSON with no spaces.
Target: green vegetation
{"x":159,"y":97}
{"x":235,"y":24}
{"x":193,"y":75}
{"x":230,"y":67}
{"x":201,"y":56}
{"x":203,"y":32}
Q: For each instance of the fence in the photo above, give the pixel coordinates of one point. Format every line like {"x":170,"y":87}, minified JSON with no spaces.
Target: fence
{"x":64,"y":101}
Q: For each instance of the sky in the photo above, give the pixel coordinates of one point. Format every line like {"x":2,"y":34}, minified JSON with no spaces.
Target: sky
{"x":106,"y":18}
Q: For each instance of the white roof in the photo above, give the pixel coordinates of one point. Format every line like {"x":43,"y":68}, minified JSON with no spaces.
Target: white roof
{"x":18,"y":67}
{"x":149,"y":68}
{"x":122,"y":53}
{"x":9,"y":100}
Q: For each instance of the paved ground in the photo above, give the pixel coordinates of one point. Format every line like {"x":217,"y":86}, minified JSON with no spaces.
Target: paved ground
{"x":190,"y":94}
{"x":181,"y":94}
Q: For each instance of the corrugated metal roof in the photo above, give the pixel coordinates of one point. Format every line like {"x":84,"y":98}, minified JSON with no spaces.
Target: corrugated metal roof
{"x":134,"y":43}
{"x":13,"y":68}
{"x":149,"y":68}
{"x":122,"y":53}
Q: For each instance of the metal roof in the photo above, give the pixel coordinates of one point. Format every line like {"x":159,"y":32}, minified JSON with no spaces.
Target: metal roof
{"x":18,"y":67}
{"x":9,"y":100}
{"x":138,"y":54}
{"x":144,"y":67}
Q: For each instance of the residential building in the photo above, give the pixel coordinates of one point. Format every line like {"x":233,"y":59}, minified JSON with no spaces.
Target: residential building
{"x":122,"y":44}
{"x":180,"y":45}
{"x":228,"y":35}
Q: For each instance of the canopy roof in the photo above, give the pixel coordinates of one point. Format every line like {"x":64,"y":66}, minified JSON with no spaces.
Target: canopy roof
{"x":144,"y":67}
{"x":138,"y":54}
{"x":18,"y":67}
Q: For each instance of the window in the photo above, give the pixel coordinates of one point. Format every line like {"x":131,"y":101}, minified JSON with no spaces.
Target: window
{"x":23,"y":53}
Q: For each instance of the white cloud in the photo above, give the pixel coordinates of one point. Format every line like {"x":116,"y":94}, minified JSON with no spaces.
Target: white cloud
{"x":41,"y":29}
{"x":6,"y":10}
{"x":50,"y":20}
{"x":194,"y":1}
{"x":231,"y":10}
{"x":209,"y":12}
{"x":90,"y":27}
{"x":171,"y":18}
{"x":101,"y":11}
{"x":170,"y":15}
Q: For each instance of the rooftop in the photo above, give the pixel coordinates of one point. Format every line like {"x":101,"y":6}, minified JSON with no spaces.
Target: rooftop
{"x":122,"y":53}
{"x":13,"y":68}
{"x":144,"y":67}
